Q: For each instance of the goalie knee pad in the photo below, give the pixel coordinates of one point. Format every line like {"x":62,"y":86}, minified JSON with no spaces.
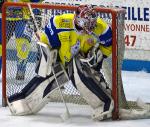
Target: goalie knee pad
{"x":47,"y":58}
{"x":96,"y":95}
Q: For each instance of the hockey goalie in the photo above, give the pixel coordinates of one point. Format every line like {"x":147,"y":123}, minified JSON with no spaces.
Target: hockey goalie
{"x":78,"y":41}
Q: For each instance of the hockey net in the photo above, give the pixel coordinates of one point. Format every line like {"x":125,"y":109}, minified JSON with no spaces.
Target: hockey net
{"x":111,"y":67}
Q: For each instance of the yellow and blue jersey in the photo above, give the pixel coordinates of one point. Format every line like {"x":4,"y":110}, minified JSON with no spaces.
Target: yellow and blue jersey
{"x":61,"y":33}
{"x":103,"y":34}
{"x":59,"y":29}
{"x":18,"y":24}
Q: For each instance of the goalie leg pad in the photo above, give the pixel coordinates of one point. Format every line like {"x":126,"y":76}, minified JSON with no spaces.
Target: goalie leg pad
{"x":47,"y":58}
{"x":35,"y":95}
{"x":95,"y":95}
{"x":19,"y":107}
{"x":32,"y":98}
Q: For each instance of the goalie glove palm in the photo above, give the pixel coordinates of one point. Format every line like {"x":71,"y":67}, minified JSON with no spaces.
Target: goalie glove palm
{"x":93,"y":58}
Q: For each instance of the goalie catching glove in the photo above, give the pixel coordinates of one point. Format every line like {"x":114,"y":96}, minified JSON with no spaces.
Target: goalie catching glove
{"x":94,"y":57}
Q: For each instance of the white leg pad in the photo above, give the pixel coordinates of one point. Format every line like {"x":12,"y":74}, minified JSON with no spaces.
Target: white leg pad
{"x":48,"y":57}
{"x":33,"y":103}
{"x":19,"y":107}
{"x":101,"y":103}
{"x":36,"y":101}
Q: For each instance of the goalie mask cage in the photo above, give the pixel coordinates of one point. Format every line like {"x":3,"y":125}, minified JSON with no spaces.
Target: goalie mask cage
{"x":111,"y":68}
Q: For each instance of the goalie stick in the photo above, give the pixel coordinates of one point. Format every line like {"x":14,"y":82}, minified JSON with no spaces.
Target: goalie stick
{"x":67,"y":114}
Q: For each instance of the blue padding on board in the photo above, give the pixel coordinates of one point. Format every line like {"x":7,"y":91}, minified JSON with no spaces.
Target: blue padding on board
{"x":136,"y":65}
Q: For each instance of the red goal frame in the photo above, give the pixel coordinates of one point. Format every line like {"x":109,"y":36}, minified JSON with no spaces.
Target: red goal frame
{"x":113,"y":12}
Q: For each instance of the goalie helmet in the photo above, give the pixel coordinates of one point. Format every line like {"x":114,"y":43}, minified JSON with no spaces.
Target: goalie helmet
{"x":85,"y":18}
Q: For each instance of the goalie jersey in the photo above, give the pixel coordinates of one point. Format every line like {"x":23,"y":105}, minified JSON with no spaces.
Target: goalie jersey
{"x":61,"y":32}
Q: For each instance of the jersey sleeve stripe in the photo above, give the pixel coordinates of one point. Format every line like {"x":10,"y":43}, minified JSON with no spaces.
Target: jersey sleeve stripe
{"x":106,"y":37}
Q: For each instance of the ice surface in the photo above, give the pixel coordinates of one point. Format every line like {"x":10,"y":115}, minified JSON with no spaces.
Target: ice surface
{"x":136,"y":84}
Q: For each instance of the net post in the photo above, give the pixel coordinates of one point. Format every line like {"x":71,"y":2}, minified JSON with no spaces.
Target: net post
{"x":4,"y":101}
{"x":115,"y":113}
